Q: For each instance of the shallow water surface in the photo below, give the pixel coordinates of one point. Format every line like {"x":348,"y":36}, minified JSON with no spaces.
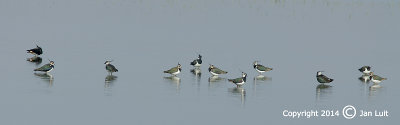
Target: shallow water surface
{"x":144,"y":38}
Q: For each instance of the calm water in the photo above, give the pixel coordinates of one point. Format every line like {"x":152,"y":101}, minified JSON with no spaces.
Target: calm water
{"x":144,"y":38}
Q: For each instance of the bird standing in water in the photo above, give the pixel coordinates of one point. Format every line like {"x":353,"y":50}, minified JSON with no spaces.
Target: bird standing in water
{"x":376,"y":79}
{"x":36,"y":51}
{"x":322,"y":78}
{"x":239,"y":81}
{"x":110,"y":68}
{"x":175,"y":70}
{"x":197,"y":62}
{"x":46,"y":68}
{"x":260,"y":68}
{"x":215,"y":71}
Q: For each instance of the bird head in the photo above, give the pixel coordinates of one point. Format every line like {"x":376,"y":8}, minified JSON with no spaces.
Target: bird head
{"x":211,"y":66}
{"x":179,"y":65}
{"x":255,"y":63}
{"x":319,"y":73}
{"x":51,"y":62}
{"x":107,"y":62}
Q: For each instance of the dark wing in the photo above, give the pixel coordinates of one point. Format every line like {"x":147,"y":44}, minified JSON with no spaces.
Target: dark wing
{"x":36,"y":50}
{"x":218,"y":71}
{"x":193,"y":62}
{"x":263,"y":68}
{"x":172,"y":70}
{"x":111,"y":68}
{"x":324,"y":79}
{"x":46,"y":67}
{"x":237,"y":80}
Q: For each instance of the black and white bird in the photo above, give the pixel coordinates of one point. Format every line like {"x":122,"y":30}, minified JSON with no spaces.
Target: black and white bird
{"x":322,"y":78}
{"x":376,"y":79}
{"x":46,"y":68}
{"x":174,"y":70}
{"x":365,"y":69}
{"x":260,"y":68}
{"x":239,"y":81}
{"x":197,"y":62}
{"x":216,"y":71}
{"x":110,"y":68}
{"x":35,"y":51}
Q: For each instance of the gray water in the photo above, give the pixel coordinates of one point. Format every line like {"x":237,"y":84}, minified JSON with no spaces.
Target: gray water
{"x":144,"y":38}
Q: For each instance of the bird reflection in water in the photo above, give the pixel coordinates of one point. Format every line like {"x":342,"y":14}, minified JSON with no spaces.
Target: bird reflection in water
{"x":239,"y":91}
{"x":374,"y":89}
{"x":36,"y":59}
{"x":46,"y":77}
{"x":322,"y":91}
{"x":197,"y":73}
{"x":215,"y":79}
{"x":260,"y":79}
{"x":174,"y":80}
{"x":365,"y":78}
{"x":108,"y":83}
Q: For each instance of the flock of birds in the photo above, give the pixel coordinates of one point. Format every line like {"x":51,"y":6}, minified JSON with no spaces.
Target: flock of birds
{"x":214,"y":71}
{"x":367,"y":76}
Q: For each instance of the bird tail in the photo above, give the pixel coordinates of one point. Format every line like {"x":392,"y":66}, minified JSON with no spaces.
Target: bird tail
{"x":165,"y":71}
{"x":330,"y":80}
{"x":36,"y":70}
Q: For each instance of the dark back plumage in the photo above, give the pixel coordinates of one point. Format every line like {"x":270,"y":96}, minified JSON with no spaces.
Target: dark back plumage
{"x":36,"y":51}
{"x":260,"y":68}
{"x":111,"y":68}
{"x":46,"y":68}
{"x":322,"y":78}
{"x":197,"y":61}
{"x":239,"y":81}
{"x":216,"y":70}
{"x":174,"y":70}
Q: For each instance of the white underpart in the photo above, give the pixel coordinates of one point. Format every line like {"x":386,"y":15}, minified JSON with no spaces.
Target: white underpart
{"x":176,"y":73}
{"x":240,"y":83}
{"x":197,"y":64}
{"x":50,"y":69}
{"x":259,"y":70}
{"x":375,"y":81}
{"x":214,"y":74}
